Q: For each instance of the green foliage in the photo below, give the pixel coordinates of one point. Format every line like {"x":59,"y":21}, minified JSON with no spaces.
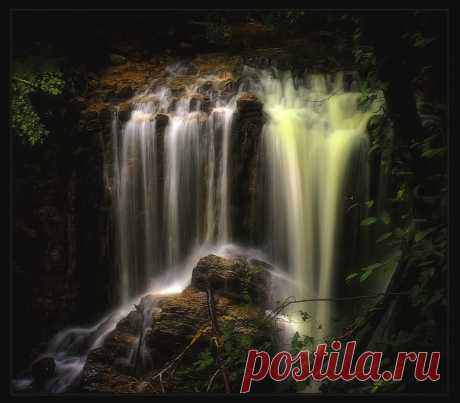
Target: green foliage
{"x":417,"y":181}
{"x":29,"y":82}
{"x":384,"y":218}
{"x":368,"y":221}
{"x":417,"y":40}
{"x":246,"y":280}
{"x":387,"y":264}
{"x":300,"y":343}
{"x":204,"y":361}
{"x":236,"y":345}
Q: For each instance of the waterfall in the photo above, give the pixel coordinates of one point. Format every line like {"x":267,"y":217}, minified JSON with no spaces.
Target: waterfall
{"x":314,"y":135}
{"x":313,"y":140}
{"x":171,"y":191}
{"x":161,"y":220}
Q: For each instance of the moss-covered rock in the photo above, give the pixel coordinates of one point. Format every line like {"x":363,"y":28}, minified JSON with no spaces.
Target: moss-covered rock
{"x":181,"y":323}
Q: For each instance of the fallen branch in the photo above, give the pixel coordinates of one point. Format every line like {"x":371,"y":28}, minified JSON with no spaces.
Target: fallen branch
{"x":25,"y":82}
{"x":211,"y":380}
{"x":172,"y":363}
{"x":141,"y":338}
{"x":288,"y":302}
{"x":215,"y":329}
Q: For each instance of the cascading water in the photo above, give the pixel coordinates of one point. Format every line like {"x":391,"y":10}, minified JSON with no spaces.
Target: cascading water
{"x":161,"y":220}
{"x":314,"y":133}
{"x":171,"y":189}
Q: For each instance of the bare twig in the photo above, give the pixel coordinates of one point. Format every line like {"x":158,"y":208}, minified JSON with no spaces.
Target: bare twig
{"x":211,"y":380}
{"x":215,"y":329}
{"x":25,"y":82}
{"x":172,"y":363}
{"x":288,"y":301}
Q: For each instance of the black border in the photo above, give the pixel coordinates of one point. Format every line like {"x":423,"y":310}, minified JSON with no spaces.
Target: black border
{"x":452,"y":373}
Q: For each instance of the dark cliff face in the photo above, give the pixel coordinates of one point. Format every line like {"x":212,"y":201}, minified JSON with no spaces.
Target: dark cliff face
{"x":61,"y":234}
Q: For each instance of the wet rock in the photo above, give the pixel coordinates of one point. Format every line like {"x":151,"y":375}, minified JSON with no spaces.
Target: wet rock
{"x":119,"y":93}
{"x":124,"y":111}
{"x":173,"y":104}
{"x":235,"y":277}
{"x":229,"y":87}
{"x":177,"y":91}
{"x":117,"y":60}
{"x":161,"y":121}
{"x":124,"y":92}
{"x":206,"y":87}
{"x":183,"y":68}
{"x":124,"y":115}
{"x":105,"y":115}
{"x":249,"y":104}
{"x":43,"y":370}
{"x":200,"y":102}
{"x":88,"y":115}
{"x":176,"y":321}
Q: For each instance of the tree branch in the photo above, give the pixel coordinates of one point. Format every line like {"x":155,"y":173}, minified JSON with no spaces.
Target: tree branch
{"x":172,"y":363}
{"x":211,"y":380}
{"x":215,"y":329}
{"x":26,"y":82}
{"x":288,"y":302}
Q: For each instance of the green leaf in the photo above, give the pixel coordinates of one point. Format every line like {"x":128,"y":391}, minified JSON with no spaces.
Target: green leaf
{"x":399,"y":233}
{"x":305,"y":315}
{"x":373,"y":148}
{"x":400,"y":194}
{"x":383,"y":237}
{"x":350,"y":276}
{"x":369,"y":203}
{"x":385,"y":218}
{"x":365,"y":275}
{"x":371,"y":266}
{"x":422,"y":234}
{"x":434,"y":152}
{"x":368,"y":221}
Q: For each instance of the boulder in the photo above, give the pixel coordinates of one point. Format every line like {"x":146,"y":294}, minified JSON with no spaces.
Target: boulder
{"x":181,"y":323}
{"x":236,"y":277}
{"x":173,"y":326}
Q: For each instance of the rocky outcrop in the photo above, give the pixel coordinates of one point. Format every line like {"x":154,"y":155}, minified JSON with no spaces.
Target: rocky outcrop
{"x":245,"y":162}
{"x":181,"y":323}
{"x":234,"y":277}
